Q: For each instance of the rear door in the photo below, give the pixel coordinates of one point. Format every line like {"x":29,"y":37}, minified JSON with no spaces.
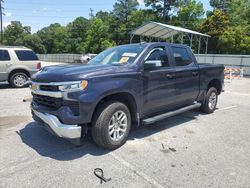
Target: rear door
{"x":5,"y":63}
{"x":158,"y":81}
{"x":186,"y":75}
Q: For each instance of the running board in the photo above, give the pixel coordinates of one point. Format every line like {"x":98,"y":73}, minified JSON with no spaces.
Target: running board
{"x":169,"y":114}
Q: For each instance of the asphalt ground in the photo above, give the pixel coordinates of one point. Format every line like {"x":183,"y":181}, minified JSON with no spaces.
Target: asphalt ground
{"x":188,"y":150}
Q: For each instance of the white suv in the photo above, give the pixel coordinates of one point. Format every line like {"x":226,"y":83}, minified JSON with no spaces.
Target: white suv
{"x":17,"y":65}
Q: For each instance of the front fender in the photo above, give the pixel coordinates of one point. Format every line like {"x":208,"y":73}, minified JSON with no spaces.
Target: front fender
{"x":103,"y":87}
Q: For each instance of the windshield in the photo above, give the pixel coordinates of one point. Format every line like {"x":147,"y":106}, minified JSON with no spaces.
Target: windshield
{"x":119,"y":55}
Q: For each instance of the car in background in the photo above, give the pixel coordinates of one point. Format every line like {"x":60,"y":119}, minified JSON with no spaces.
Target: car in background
{"x":85,"y":58}
{"x":17,"y":65}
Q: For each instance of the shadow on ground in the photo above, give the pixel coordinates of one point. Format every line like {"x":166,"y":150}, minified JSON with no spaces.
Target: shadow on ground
{"x":6,"y":85}
{"x":60,"y":149}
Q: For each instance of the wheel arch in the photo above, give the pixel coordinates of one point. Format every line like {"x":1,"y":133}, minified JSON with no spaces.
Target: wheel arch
{"x":124,"y":97}
{"x":216,"y":84}
{"x":16,"y":71}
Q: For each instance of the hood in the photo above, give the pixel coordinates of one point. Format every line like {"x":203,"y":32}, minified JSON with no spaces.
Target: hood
{"x":62,"y":73}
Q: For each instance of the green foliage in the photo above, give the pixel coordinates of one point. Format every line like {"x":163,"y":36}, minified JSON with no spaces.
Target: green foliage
{"x":121,"y":19}
{"x":162,"y":8}
{"x":189,"y":14}
{"x":15,"y":33}
{"x":123,"y":8}
{"x":78,"y":28}
{"x":235,"y":40}
{"x":229,"y":27}
{"x":215,"y":26}
{"x":240,"y":12}
{"x":34,"y":42}
{"x":223,"y":5}
{"x":97,"y":37}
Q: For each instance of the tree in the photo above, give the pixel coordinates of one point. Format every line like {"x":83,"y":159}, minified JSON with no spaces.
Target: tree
{"x":110,"y":21}
{"x":123,"y":8}
{"x":121,"y":23}
{"x":215,"y":25}
{"x":15,"y":33}
{"x":162,"y":8}
{"x":78,"y":28}
{"x":97,"y":37}
{"x":55,"y":38}
{"x":189,"y":14}
{"x":240,"y":12}
{"x":77,"y":31}
{"x":139,"y":17}
{"x":223,"y":5}
{"x":235,"y":40}
{"x":35,"y":43}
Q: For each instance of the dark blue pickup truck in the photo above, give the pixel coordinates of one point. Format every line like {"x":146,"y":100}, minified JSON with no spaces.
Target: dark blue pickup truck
{"x":126,"y":85}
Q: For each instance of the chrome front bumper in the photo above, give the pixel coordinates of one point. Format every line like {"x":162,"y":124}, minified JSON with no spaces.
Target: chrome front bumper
{"x":61,"y":130}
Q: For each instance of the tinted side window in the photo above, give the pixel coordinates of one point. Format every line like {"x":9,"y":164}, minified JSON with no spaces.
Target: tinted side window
{"x":4,"y":55}
{"x":26,"y":55}
{"x":158,"y":56}
{"x":181,"y":56}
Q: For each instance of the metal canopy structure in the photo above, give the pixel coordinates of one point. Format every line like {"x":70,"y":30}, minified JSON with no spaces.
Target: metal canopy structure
{"x":164,"y":31}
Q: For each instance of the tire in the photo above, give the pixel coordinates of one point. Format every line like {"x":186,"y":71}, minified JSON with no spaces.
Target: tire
{"x":105,"y":121}
{"x":211,"y":99}
{"x":19,"y":80}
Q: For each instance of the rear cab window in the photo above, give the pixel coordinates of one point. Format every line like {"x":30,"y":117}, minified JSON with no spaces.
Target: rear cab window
{"x":4,"y":55}
{"x":181,"y":56}
{"x":26,"y":55}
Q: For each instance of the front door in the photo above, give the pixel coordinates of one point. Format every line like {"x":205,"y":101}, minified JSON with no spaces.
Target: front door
{"x":4,"y":63}
{"x":158,"y":81}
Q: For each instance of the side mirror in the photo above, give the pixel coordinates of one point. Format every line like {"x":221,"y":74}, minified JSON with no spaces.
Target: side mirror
{"x":152,"y":64}
{"x":149,"y":65}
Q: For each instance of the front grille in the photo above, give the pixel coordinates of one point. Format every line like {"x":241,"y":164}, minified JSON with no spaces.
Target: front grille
{"x":48,"y":101}
{"x":48,"y":88}
{"x":56,"y":103}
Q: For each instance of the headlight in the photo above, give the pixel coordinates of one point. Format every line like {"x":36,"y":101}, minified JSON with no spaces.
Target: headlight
{"x":74,"y":86}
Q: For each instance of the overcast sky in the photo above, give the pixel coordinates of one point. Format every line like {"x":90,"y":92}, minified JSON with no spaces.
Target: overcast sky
{"x":42,"y":13}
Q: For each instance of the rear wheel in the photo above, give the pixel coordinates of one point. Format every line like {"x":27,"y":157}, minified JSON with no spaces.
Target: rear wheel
{"x":19,"y":80}
{"x":210,"y":102}
{"x":111,"y":125}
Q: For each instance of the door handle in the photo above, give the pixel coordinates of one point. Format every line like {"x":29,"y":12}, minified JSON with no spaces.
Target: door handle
{"x":195,"y":73}
{"x":170,"y":76}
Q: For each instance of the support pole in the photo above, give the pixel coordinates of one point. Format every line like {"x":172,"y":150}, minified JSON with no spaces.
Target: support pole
{"x":1,"y":20}
{"x":191,"y":41}
{"x":206,"y":45}
{"x":199,"y":47}
{"x":131,"y":38}
{"x":181,"y":38}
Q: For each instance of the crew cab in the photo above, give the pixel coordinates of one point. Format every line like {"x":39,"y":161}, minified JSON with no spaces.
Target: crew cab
{"x":135,"y":84}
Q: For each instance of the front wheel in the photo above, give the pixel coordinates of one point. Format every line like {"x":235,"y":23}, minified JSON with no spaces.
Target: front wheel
{"x":209,"y":105}
{"x":111,"y":125}
{"x":19,"y":80}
